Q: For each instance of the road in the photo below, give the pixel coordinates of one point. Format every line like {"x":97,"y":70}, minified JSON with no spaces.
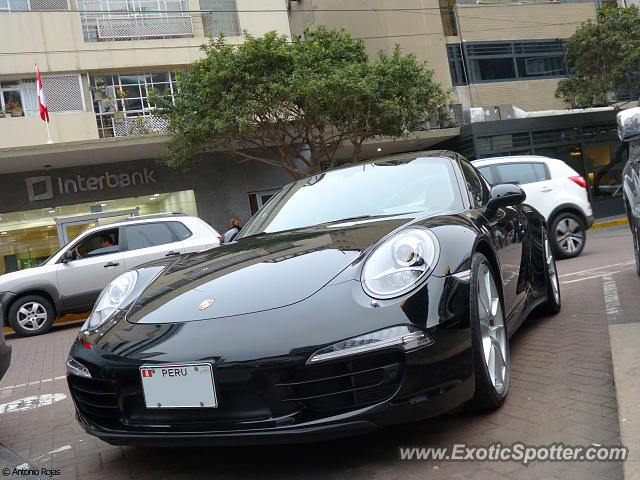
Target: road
{"x":561,"y":391}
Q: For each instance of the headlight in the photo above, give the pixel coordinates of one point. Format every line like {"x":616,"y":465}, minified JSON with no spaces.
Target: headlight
{"x":407,"y":337}
{"x":112,"y":298}
{"x":397,"y":264}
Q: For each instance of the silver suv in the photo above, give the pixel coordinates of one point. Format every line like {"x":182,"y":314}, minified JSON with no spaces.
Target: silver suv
{"x":71,"y":279}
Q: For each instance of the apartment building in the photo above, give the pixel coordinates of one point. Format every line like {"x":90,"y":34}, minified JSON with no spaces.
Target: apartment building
{"x":97,"y":60}
{"x":502,"y":60}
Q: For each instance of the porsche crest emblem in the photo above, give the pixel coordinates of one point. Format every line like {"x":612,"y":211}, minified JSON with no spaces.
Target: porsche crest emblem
{"x":206,"y":304}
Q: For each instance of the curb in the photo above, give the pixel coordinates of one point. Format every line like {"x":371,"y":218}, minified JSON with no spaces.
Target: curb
{"x":625,"y":361}
{"x":609,"y":223}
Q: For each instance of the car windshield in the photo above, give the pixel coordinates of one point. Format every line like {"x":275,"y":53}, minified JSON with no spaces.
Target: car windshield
{"x":372,"y":189}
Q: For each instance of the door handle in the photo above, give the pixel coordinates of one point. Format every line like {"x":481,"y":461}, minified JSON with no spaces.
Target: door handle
{"x":173,"y":253}
{"x":111,"y":264}
{"x":546,"y":189}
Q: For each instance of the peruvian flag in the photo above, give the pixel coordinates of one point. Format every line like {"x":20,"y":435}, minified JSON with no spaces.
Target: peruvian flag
{"x":44,"y":113}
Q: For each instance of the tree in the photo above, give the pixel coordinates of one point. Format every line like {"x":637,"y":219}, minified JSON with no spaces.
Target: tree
{"x":604,"y":58}
{"x":292,"y":104}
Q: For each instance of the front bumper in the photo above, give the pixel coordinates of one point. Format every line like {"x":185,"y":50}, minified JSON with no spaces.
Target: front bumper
{"x":349,"y":424}
{"x":5,"y":299}
{"x":267,"y":393}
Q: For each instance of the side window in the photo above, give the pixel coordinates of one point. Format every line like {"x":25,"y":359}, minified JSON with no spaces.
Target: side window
{"x":540,"y":171}
{"x":148,"y":235}
{"x":487,"y":174}
{"x":100,"y":243}
{"x":519,"y":173}
{"x":477,"y":189}
{"x":181,"y":231}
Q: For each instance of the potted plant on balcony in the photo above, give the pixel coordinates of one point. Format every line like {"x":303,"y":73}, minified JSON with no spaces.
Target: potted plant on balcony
{"x":15,"y":109}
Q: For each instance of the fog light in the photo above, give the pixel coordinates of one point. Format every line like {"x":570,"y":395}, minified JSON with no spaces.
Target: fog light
{"x":404,"y":336}
{"x":76,"y":368}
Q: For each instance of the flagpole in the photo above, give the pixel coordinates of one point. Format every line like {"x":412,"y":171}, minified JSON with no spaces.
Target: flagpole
{"x":48,"y":133}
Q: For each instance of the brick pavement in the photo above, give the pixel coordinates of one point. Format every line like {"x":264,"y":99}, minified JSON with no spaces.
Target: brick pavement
{"x":561,"y":391}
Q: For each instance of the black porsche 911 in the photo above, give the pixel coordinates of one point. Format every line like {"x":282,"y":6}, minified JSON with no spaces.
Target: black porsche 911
{"x":374,"y":294}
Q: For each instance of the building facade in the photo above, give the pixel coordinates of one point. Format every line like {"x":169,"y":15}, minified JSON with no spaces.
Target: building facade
{"x":98,"y":59}
{"x":503,"y":60}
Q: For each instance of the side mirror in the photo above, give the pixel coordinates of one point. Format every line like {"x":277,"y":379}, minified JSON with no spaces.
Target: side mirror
{"x":505,"y":195}
{"x":67,"y":257}
{"x":629,"y":124}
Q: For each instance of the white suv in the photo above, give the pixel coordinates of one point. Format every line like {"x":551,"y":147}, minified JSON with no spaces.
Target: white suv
{"x":71,"y":279}
{"x":553,"y":188}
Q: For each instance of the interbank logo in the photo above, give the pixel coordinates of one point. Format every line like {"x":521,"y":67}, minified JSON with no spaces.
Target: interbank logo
{"x":41,"y":188}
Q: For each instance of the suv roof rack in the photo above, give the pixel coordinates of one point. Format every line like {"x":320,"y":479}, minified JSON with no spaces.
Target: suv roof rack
{"x":133,"y":218}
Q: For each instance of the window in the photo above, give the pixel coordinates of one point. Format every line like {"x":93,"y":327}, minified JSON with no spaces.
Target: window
{"x":119,"y":101}
{"x":100,"y":243}
{"x":413,"y":185}
{"x":148,"y":235}
{"x":522,"y":173}
{"x":224,"y":19}
{"x":487,"y":174}
{"x":22,"y":93}
{"x":605,"y":162}
{"x":258,"y":199}
{"x":181,"y":231}
{"x":14,"y":6}
{"x":456,"y":66}
{"x":501,"y":61}
{"x":474,"y":184}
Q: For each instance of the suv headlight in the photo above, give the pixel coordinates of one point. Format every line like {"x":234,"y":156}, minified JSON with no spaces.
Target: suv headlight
{"x":401,"y":261}
{"x":112,"y":298}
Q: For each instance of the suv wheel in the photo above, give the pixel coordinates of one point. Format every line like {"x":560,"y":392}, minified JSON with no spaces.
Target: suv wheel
{"x":568,"y":235}
{"x":31,"y":315}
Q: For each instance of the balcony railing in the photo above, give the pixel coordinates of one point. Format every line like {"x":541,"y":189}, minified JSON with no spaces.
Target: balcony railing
{"x":139,"y":125}
{"x":125,"y":27}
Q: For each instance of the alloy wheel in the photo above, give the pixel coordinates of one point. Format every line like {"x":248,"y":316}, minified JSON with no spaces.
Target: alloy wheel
{"x":569,"y":235}
{"x":492,"y":331}
{"x":551,"y":270}
{"x":32,"y":316}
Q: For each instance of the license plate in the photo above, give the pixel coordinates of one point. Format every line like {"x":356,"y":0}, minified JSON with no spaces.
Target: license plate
{"x":179,"y":386}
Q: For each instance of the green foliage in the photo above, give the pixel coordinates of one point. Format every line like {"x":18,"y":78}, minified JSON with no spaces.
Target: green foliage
{"x":603,"y":58}
{"x":292,"y":104}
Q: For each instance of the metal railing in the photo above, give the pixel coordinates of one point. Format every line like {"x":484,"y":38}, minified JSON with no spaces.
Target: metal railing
{"x":125,"y":27}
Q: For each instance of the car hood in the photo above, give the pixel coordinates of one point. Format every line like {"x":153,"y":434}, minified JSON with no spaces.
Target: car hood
{"x":257,"y":273}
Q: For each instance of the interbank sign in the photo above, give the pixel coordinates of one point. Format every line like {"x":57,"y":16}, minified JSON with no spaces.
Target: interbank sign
{"x":42,"y":188}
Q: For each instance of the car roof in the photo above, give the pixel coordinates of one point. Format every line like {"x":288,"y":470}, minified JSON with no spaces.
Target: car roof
{"x":136,"y":220}
{"x":513,"y":159}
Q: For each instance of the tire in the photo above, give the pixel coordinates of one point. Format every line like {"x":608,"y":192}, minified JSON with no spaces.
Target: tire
{"x":489,"y":339}
{"x":31,"y":315}
{"x":553,"y":304}
{"x":568,"y":235}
